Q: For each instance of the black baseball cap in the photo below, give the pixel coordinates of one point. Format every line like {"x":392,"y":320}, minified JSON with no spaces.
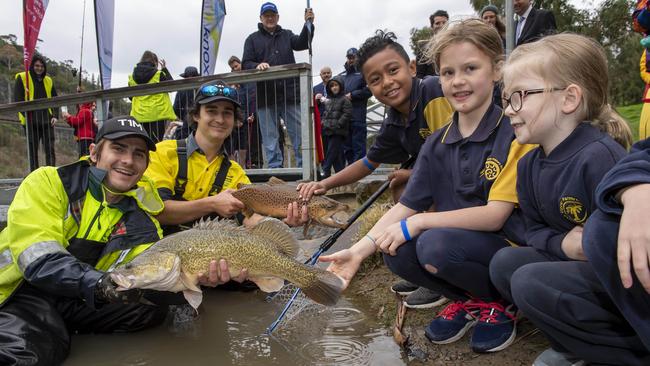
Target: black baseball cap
{"x":351,"y":52}
{"x":190,"y":71}
{"x":214,"y":91}
{"x":124,"y":126}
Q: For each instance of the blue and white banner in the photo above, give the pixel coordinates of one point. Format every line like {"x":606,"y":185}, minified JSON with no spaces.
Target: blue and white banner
{"x":212,"y":16}
{"x":104,"y":23}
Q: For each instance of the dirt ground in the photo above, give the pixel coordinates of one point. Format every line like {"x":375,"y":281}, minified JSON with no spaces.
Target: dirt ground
{"x":372,"y":288}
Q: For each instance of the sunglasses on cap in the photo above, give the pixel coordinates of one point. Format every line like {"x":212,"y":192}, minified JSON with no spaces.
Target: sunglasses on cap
{"x":218,"y":90}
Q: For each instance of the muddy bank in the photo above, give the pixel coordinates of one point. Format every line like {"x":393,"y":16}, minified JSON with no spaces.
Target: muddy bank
{"x":370,"y":289}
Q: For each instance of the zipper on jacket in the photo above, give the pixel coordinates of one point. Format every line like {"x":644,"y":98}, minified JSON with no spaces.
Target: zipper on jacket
{"x":95,"y":218}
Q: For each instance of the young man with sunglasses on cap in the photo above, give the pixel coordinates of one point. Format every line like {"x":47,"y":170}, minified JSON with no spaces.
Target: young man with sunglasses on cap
{"x":66,"y":228}
{"x":194,"y":176}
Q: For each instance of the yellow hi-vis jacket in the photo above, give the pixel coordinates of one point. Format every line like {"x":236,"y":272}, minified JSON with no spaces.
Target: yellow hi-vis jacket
{"x":47,"y":82}
{"x":62,"y":213}
{"x":151,"y":108}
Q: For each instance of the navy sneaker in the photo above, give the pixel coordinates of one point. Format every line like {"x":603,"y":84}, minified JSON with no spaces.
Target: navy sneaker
{"x":423,"y":298}
{"x":496,"y":327}
{"x":404,"y":287}
{"x":450,"y":324}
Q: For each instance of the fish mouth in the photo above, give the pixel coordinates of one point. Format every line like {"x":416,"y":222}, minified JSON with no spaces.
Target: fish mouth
{"x":338,"y":219}
{"x":123,"y":282}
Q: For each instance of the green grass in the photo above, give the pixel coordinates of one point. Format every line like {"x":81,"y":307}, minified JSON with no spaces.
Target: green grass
{"x":632,"y":114}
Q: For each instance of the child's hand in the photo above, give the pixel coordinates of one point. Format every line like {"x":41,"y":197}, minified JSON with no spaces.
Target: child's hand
{"x":393,"y":237}
{"x":572,"y":244}
{"x":308,"y":189}
{"x":634,"y":236}
{"x":344,"y":264}
{"x":399,"y":177}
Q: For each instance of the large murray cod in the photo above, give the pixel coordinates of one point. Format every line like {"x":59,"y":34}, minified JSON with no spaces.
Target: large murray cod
{"x":272,"y":199}
{"x":267,"y":250}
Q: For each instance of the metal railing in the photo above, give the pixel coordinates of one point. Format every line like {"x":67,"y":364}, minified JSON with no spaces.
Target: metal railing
{"x":299,"y":72}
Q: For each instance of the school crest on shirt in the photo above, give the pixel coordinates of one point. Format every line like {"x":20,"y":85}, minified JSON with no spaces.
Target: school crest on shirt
{"x":425,"y":132}
{"x":492,"y":169}
{"x":573,"y":210}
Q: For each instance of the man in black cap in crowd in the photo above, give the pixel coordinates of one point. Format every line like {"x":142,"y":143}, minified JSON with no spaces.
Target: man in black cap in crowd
{"x":183,"y":102}
{"x":358,"y":93}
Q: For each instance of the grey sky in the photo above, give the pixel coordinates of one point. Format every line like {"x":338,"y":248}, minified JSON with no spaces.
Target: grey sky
{"x":171,"y":29}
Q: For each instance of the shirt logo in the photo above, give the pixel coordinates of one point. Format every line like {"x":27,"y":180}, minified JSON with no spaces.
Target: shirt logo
{"x":424,"y":133}
{"x":492,"y":169}
{"x":573,"y":210}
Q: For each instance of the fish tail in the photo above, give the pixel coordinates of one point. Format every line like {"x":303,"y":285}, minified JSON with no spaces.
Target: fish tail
{"x":326,"y":289}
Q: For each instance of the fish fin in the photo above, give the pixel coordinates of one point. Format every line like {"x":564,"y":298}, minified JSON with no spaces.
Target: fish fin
{"x":279,"y":234}
{"x":190,"y":281}
{"x":273,"y":181}
{"x":194,"y":298}
{"x":268,"y":284}
{"x":215,"y":224}
{"x":327,"y":288}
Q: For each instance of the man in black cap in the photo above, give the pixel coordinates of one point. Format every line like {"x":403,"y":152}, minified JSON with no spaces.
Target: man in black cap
{"x":271,"y":45}
{"x":183,"y":102}
{"x":66,"y":228}
{"x":358,"y":93}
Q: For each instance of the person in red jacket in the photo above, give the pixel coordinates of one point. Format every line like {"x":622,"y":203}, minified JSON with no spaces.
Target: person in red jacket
{"x":84,"y":127}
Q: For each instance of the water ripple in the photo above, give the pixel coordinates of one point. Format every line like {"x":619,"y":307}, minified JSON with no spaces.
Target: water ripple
{"x":336,"y":351}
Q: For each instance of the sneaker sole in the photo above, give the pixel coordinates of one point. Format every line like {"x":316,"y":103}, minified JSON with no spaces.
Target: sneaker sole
{"x":458,"y":335}
{"x":403,"y":293}
{"x":442,"y":300}
{"x":505,"y":344}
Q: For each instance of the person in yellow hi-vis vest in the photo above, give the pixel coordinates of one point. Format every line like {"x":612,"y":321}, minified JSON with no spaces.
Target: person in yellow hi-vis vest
{"x":644,"y":122}
{"x":41,"y":122}
{"x":155,"y":110}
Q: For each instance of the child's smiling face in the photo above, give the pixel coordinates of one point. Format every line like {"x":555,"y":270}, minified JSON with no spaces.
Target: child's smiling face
{"x":390,"y":77}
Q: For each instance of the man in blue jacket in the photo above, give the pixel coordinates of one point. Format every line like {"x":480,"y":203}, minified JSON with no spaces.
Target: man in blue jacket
{"x":358,"y":93}
{"x":271,"y":45}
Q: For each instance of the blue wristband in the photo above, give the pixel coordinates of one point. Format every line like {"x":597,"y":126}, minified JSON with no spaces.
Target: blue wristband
{"x":405,"y":230}
{"x":367,"y":164}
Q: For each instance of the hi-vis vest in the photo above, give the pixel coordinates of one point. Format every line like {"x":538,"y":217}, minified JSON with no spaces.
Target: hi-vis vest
{"x":63,"y":210}
{"x":151,"y":108}
{"x":47,"y":82}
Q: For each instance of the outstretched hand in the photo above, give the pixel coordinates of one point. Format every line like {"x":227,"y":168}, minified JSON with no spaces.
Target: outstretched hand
{"x":344,"y":264}
{"x":308,"y":189}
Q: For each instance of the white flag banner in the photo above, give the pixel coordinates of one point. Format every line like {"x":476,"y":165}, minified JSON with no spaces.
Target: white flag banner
{"x":212,"y":16}
{"x":104,"y":23}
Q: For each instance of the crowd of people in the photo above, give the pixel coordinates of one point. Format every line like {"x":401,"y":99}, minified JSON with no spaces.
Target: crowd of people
{"x":527,"y":205}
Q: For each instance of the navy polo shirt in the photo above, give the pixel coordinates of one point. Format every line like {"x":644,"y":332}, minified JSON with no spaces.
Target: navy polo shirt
{"x":557,"y":192}
{"x":453,"y":172}
{"x":400,"y":138}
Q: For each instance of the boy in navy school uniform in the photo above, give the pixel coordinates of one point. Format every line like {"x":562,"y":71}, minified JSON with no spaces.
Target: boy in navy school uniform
{"x":416,"y":108}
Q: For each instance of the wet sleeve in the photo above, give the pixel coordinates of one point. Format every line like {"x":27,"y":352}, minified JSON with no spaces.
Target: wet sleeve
{"x":631,"y":170}
{"x":538,"y":234}
{"x":505,"y":185}
{"x":38,"y":247}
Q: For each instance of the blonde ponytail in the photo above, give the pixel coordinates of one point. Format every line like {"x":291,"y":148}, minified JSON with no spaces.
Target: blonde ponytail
{"x":614,"y":125}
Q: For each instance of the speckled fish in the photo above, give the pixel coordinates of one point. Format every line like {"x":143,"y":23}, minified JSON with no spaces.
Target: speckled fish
{"x":267,"y":250}
{"x":272,"y":199}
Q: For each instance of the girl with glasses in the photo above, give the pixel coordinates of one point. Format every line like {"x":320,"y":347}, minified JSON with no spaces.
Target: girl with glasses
{"x":556,"y":95}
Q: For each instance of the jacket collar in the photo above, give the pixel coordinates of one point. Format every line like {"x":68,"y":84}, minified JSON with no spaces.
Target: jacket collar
{"x":490,"y":122}
{"x":261,"y":28}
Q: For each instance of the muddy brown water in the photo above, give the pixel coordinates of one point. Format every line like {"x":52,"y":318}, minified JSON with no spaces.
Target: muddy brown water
{"x":230,"y":330}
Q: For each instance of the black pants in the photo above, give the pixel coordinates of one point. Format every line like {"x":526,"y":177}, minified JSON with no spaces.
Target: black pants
{"x":156,"y":129}
{"x":460,"y":256}
{"x":35,"y":327}
{"x":334,"y":157}
{"x":566,"y":301}
{"x":40,"y":132}
{"x":84,"y":147}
